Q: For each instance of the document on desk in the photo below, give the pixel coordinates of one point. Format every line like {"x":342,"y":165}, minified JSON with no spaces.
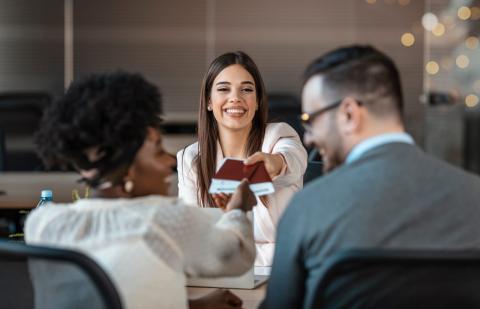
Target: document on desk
{"x":231,"y":173}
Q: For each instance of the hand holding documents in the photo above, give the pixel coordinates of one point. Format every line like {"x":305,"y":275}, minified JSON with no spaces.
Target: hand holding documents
{"x":233,"y":171}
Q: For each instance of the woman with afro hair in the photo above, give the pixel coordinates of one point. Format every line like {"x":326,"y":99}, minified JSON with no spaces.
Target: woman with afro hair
{"x":106,"y":127}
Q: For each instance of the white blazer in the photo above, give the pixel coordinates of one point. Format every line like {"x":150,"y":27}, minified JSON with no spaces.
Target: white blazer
{"x":279,"y":138}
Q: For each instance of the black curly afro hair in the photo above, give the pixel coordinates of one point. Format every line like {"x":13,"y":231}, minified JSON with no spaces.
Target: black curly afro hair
{"x":108,"y":112}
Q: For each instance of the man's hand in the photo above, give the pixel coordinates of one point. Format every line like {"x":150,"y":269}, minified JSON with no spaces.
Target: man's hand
{"x":218,"y":299}
{"x":273,"y":162}
{"x":243,"y":198}
{"x":221,"y":199}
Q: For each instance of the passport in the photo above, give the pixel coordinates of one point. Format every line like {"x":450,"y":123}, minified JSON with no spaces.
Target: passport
{"x":231,"y":173}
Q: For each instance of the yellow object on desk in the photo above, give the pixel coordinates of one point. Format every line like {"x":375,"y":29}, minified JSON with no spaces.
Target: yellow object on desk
{"x":76,"y":195}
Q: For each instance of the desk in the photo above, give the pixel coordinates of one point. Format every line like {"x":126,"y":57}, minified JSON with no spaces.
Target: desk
{"x":251,"y":298}
{"x":22,"y":189}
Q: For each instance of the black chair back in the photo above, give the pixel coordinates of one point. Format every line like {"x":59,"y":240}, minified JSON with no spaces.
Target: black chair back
{"x":43,"y":277}
{"x":314,"y":167}
{"x":400,"y":279}
{"x":2,"y":150}
{"x":20,"y":116}
{"x":284,"y":107}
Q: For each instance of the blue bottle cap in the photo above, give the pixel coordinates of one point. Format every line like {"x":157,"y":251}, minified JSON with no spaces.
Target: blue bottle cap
{"x":46,"y":194}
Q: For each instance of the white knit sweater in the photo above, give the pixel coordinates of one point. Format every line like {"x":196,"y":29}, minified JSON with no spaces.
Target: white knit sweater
{"x":148,"y":245}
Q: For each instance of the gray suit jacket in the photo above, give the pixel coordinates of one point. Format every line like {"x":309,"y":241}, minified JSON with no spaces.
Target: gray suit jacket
{"x":394,"y":196}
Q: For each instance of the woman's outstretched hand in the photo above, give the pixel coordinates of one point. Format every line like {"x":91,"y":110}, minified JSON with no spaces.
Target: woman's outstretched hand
{"x":273,"y":162}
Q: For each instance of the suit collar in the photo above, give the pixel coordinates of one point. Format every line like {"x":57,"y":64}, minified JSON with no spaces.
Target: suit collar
{"x":365,"y":146}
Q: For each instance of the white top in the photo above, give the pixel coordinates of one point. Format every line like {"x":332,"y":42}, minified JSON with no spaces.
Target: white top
{"x":148,"y":245}
{"x":279,"y":138}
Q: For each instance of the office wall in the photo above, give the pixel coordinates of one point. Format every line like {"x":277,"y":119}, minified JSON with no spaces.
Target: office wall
{"x":31,"y":45}
{"x":164,"y":40}
{"x":172,"y":42}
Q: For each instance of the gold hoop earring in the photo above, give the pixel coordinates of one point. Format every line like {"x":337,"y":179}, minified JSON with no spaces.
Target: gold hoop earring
{"x":128,"y":186}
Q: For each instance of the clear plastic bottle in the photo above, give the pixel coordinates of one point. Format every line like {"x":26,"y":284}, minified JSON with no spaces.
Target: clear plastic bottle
{"x":45,"y":197}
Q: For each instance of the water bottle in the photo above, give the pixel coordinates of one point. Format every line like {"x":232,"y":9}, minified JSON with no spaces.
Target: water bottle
{"x":45,"y":197}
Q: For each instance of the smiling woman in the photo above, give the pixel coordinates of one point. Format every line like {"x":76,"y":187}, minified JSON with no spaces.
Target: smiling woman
{"x":233,"y":100}
{"x":232,"y":122}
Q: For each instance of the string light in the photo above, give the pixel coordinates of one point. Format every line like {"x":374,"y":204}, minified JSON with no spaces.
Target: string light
{"x":462,"y":61}
{"x":432,"y":67}
{"x":429,"y":20}
{"x":407,"y":39}
{"x":371,"y":1}
{"x":438,"y":30}
{"x":471,"y":42}
{"x":464,"y":13}
{"x":471,"y":100}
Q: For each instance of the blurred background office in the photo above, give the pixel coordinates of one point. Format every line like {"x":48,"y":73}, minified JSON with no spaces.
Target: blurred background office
{"x":46,"y":44}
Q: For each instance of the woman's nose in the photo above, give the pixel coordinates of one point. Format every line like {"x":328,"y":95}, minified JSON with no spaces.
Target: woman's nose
{"x":234,"y":96}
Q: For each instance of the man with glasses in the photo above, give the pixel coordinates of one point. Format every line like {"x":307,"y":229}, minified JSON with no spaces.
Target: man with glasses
{"x":380,"y":191}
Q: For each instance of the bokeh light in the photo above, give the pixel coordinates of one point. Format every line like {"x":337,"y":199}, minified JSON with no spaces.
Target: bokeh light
{"x":471,"y":42}
{"x":471,"y":100}
{"x":429,"y":21}
{"x":432,"y":67}
{"x":462,"y":61}
{"x":407,"y":39}
{"x":439,"y":29}
{"x":464,"y":13}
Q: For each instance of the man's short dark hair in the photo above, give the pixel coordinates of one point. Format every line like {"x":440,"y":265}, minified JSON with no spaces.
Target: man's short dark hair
{"x":364,"y":73}
{"x":109,"y":112}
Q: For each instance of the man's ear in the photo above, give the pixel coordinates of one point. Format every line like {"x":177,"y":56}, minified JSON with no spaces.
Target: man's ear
{"x":350,"y":116}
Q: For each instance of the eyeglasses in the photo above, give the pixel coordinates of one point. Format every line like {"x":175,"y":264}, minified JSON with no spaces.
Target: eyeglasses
{"x":307,"y":119}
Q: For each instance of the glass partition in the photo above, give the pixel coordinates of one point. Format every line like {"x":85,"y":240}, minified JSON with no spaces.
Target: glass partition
{"x":452,"y":80}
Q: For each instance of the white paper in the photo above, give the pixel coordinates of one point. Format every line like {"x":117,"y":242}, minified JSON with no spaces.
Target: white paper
{"x":229,"y":186}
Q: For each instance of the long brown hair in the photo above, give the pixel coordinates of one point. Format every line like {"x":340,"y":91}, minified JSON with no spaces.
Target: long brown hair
{"x":205,"y":160}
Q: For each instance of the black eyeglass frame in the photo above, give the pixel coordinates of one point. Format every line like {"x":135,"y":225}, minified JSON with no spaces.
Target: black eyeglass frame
{"x":307,"y":119}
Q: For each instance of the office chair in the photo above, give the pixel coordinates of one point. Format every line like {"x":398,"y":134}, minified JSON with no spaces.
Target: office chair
{"x":43,"y":277}
{"x":284,"y":107}
{"x":399,"y":279}
{"x":2,"y":151}
{"x":20,"y":115}
{"x":314,"y":166}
